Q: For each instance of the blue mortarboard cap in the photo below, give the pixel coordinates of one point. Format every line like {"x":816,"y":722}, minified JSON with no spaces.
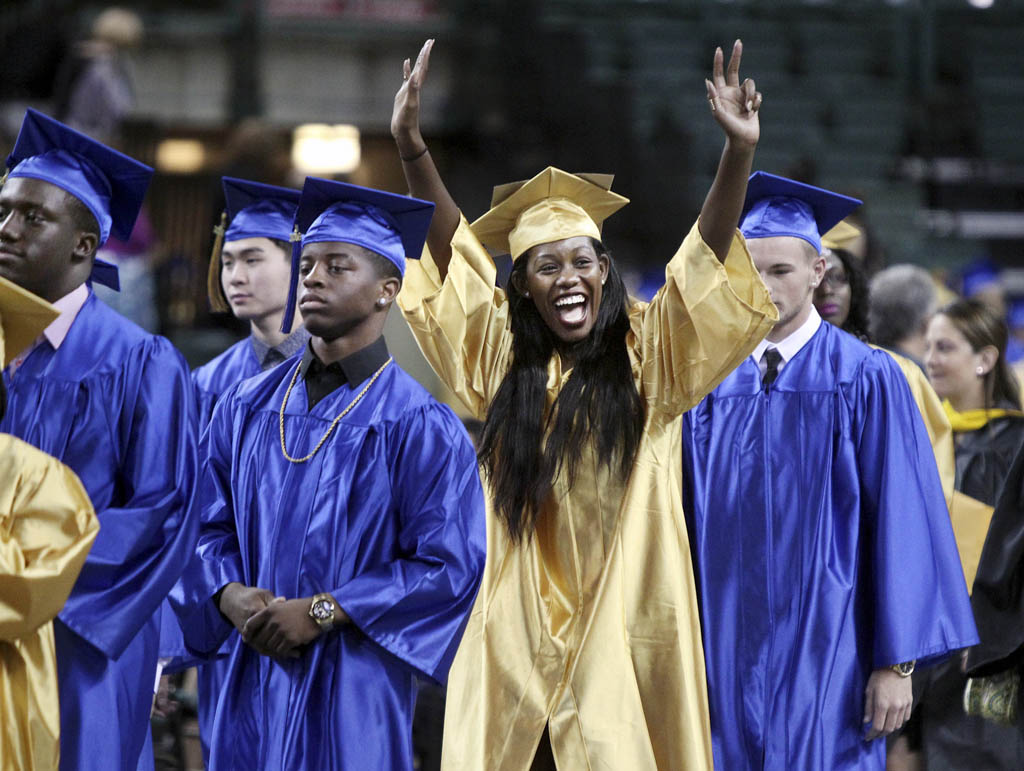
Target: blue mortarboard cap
{"x":1015,"y":315}
{"x":256,"y":210}
{"x":110,"y":184}
{"x":776,"y":206}
{"x":978,"y":275}
{"x":393,"y":226}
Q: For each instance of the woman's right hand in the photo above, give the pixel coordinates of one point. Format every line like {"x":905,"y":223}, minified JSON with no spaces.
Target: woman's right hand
{"x":405,"y":119}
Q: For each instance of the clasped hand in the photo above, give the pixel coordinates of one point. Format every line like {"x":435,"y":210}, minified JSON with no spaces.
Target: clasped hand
{"x":272,"y":626}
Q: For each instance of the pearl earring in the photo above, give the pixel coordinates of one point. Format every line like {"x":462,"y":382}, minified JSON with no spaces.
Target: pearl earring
{"x":382,"y":302}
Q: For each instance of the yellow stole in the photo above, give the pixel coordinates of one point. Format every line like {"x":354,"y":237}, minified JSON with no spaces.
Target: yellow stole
{"x":972,"y":420}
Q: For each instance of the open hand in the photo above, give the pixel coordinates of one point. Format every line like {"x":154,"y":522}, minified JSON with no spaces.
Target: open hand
{"x":405,"y":119}
{"x":281,"y":628}
{"x":734,"y":104}
{"x":888,"y":700}
{"x":238,"y":602}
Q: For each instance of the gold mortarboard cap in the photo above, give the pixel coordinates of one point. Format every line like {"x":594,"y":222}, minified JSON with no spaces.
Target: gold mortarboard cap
{"x":841,"y":236}
{"x":551,"y":206}
{"x":23,"y":317}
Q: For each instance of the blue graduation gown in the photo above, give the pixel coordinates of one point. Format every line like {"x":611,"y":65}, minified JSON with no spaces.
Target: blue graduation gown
{"x":388,"y":517}
{"x":210,"y":381}
{"x":215,"y":377}
{"x":823,"y":549}
{"x":115,"y":404}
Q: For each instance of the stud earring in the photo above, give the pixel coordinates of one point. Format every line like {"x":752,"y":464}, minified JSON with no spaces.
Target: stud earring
{"x":526,"y":294}
{"x":382,"y":302}
{"x":980,"y":370}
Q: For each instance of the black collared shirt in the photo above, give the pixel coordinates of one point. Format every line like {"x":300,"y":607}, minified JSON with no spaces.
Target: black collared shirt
{"x":322,"y":379}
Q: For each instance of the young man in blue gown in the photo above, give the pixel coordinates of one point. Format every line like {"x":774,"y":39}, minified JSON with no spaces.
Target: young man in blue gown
{"x":342,"y":527}
{"x":826,"y":563}
{"x":115,"y":404}
{"x":249,"y":278}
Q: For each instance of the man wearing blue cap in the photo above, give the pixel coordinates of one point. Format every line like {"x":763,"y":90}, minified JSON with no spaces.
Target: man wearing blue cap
{"x":249,"y":277}
{"x":825,"y":558}
{"x":342,"y":523}
{"x":115,"y":404}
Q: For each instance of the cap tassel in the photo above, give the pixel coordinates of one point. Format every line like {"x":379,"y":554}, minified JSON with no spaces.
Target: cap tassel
{"x":293,"y":284}
{"x":214,"y":290}
{"x":3,"y":179}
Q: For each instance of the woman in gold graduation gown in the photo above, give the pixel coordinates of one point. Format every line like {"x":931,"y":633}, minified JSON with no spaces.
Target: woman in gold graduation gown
{"x":586,"y":627}
{"x":47,"y":526}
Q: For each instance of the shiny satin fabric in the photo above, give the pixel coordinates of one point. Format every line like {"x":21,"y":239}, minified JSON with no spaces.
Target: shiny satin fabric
{"x":591,"y":627}
{"x":940,"y":433}
{"x":211,"y":381}
{"x":387,"y":517}
{"x":115,"y":404}
{"x":47,"y":526}
{"x":824,"y":551}
{"x":951,"y":739}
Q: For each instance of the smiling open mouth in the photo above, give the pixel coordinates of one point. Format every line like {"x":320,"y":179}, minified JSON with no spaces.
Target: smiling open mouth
{"x":571,"y":309}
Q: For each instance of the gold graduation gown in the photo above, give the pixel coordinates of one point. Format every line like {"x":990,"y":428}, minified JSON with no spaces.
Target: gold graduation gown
{"x":935,"y":421}
{"x":592,"y":627}
{"x":47,"y":526}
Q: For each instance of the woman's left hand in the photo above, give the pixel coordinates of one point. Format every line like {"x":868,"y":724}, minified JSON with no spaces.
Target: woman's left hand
{"x":734,"y":104}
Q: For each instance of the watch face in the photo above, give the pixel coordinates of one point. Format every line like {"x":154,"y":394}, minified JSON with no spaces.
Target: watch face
{"x":323,"y":610}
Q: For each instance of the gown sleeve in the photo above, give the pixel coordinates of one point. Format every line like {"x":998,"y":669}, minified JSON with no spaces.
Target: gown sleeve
{"x":998,"y":595}
{"x":701,"y":324}
{"x":416,"y":606}
{"x":47,"y":526}
{"x":921,"y":608}
{"x":148,"y":532}
{"x":940,"y":432}
{"x":217,"y":560}
{"x":460,"y":324}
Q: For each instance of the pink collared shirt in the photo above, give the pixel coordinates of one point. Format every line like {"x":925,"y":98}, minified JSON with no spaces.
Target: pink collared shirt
{"x":69,"y":305}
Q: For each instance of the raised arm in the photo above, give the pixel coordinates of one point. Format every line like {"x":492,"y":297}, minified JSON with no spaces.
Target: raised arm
{"x":421,"y":174}
{"x":734,"y":106}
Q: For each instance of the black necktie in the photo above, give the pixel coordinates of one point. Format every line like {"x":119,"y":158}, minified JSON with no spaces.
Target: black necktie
{"x":771,"y":357}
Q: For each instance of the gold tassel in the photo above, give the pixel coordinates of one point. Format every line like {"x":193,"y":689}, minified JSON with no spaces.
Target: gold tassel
{"x":3,"y":179}
{"x":214,"y":290}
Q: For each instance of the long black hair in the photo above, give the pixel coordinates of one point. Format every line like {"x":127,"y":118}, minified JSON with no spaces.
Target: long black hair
{"x":857,"y":319}
{"x":598,"y":403}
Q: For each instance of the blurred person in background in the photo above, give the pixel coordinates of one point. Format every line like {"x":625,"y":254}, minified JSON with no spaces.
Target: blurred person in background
{"x":995,"y":666}
{"x":116,"y":405}
{"x":965,"y":359}
{"x":842,"y":296}
{"x":902,"y":299}
{"x":94,"y":91}
{"x":47,"y":526}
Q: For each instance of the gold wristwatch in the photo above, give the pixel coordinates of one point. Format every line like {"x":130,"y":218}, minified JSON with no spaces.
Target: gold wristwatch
{"x":906,"y":669}
{"x":322,"y":610}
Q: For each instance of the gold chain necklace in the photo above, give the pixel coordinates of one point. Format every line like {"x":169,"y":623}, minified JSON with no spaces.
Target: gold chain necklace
{"x":337,"y":420}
